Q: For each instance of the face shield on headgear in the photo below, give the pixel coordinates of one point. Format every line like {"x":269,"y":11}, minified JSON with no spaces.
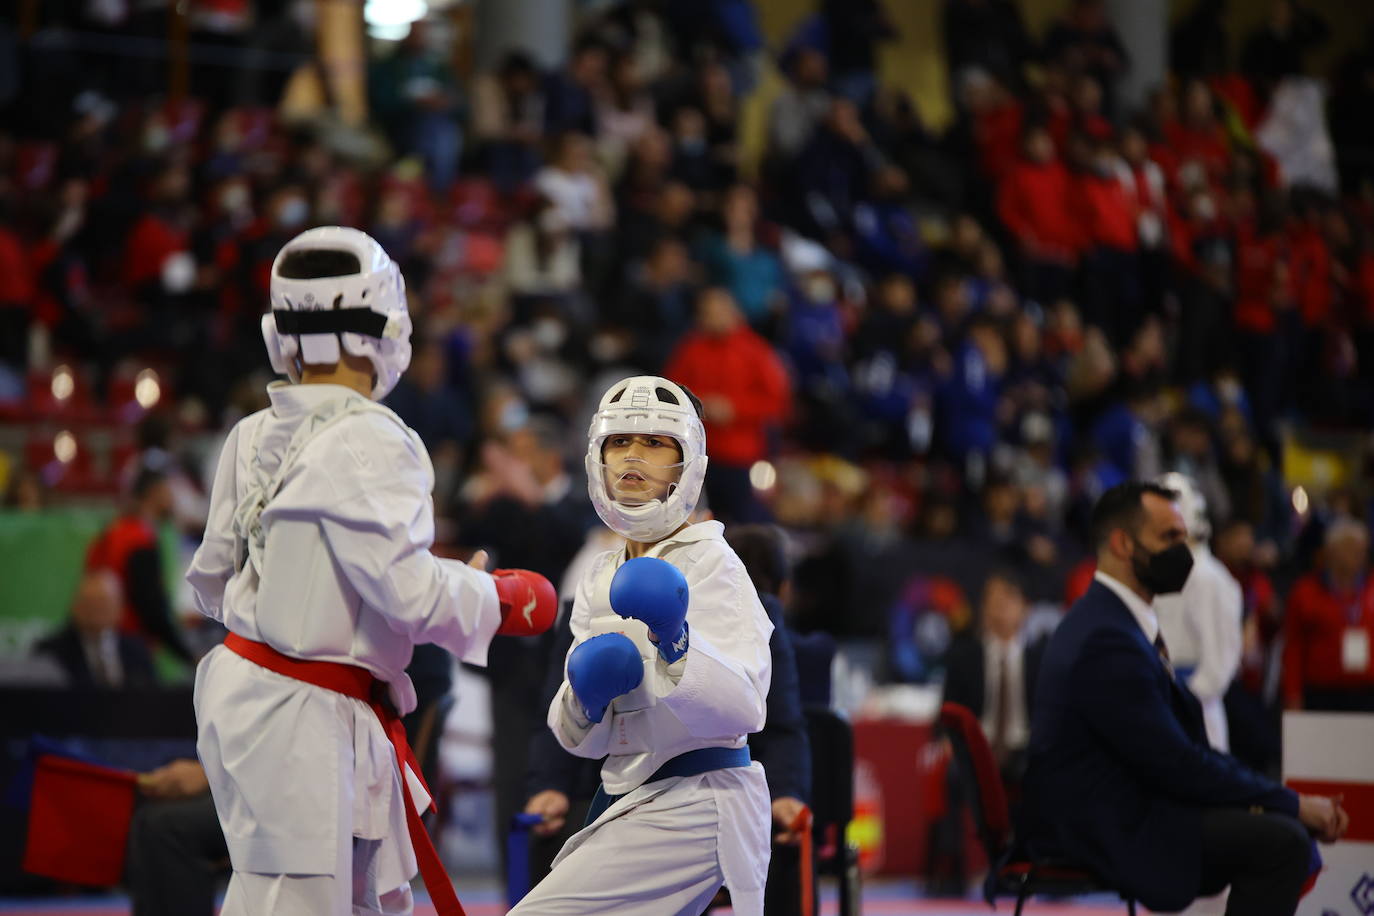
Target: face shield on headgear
{"x":335,"y":290}
{"x":647,"y":405}
{"x":1192,"y":505}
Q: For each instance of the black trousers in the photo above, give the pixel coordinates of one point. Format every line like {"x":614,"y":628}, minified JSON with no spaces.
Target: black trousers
{"x":175,"y":854}
{"x":1265,"y":858}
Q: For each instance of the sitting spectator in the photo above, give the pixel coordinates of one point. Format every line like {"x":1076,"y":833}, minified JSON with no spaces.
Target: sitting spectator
{"x":834,"y":173}
{"x":1329,"y":627}
{"x":571,"y":97}
{"x":414,"y":94}
{"x":1084,"y":41}
{"x":430,"y":402}
{"x":735,"y":259}
{"x":800,"y":106}
{"x":90,"y":648}
{"x":1033,"y":201}
{"x":993,"y":672}
{"x":543,"y":256}
{"x":657,"y":304}
{"x":970,"y":397}
{"x":575,"y":187}
{"x":507,"y":120}
{"x":625,"y":113}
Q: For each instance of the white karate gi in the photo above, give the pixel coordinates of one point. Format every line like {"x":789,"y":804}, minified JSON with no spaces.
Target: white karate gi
{"x":1201,"y":626}
{"x":304,"y":779}
{"x":667,"y":847}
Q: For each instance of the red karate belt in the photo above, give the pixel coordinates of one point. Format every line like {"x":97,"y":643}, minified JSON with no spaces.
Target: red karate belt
{"x":361,"y":684}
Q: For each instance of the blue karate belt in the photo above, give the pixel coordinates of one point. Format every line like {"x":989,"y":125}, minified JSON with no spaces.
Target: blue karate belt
{"x":691,"y":763}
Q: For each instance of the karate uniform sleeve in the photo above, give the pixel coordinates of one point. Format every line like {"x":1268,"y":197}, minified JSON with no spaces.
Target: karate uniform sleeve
{"x":213,"y":563}
{"x":379,"y":531}
{"x":1219,"y":637}
{"x":723,"y":689}
{"x":574,"y":731}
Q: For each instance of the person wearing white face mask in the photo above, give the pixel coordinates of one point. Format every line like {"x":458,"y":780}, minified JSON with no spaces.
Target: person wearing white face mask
{"x":668,"y":673}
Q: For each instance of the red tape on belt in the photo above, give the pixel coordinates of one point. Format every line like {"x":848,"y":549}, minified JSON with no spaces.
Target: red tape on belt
{"x":361,"y":684}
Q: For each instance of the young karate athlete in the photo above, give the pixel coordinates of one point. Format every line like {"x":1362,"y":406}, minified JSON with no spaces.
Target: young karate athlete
{"x":667,"y":675}
{"x":316,"y":558}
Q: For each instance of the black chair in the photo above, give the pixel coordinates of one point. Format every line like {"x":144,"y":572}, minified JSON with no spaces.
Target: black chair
{"x":1011,"y":873}
{"x":832,"y":803}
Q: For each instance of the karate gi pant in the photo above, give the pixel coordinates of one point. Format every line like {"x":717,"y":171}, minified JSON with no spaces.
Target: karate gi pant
{"x":253,"y":894}
{"x":664,"y":849}
{"x":306,"y":788}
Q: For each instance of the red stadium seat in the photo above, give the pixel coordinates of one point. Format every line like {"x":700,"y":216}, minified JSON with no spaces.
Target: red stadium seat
{"x":1011,"y":873}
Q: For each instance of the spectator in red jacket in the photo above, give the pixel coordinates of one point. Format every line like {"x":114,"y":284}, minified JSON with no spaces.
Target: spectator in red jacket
{"x":1329,"y":627}
{"x":128,"y":547}
{"x":1198,"y":138}
{"x":16,"y":291}
{"x":1104,"y":195}
{"x":1263,"y":299}
{"x":744,"y":392}
{"x":1034,"y":203}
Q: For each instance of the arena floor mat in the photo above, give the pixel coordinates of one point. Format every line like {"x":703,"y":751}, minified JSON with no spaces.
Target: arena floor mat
{"x":897,"y":898}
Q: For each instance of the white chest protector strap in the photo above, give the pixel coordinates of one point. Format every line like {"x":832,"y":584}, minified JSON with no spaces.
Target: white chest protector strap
{"x":249,"y":537}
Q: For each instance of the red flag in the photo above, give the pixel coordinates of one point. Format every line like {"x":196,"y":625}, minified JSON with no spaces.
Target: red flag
{"x":79,"y":821}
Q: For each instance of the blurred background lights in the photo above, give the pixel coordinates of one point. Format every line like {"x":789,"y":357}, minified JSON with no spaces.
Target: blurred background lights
{"x":63,"y":383}
{"x":762,"y":475}
{"x":389,"y":20}
{"x":147,"y":390}
{"x":1300,"y":500}
{"x":64,"y":447}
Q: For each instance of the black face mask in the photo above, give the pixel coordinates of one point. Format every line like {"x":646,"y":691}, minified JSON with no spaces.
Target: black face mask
{"x":1163,"y":572}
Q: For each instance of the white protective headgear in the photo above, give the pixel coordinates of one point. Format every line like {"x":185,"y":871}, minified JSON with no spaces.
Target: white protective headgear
{"x":364,"y":311}
{"x":647,"y":405}
{"x":1192,"y":505}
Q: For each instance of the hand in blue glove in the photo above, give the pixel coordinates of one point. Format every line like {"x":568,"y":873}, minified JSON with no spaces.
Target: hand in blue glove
{"x":654,"y":591}
{"x":603,"y":668}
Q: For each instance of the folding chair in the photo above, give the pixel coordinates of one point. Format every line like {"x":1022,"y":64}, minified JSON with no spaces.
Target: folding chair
{"x":1010,"y":874}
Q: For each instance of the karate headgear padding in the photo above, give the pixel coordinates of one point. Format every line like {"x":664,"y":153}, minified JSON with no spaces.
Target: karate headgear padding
{"x":647,"y":405}
{"x":376,"y":287}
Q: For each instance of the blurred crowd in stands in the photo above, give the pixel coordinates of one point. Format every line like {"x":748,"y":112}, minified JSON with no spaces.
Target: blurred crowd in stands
{"x":924,"y":354}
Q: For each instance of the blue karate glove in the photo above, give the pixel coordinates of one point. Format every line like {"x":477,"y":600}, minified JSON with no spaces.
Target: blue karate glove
{"x":603,"y":668}
{"x":654,"y":591}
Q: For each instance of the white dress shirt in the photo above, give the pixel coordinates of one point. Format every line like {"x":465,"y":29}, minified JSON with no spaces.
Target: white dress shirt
{"x":1142,"y":612}
{"x":1017,"y":727}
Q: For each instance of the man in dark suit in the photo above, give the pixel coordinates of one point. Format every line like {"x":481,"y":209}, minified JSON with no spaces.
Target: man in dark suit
{"x":1121,"y":778}
{"x":993,"y":672}
{"x":90,"y":648}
